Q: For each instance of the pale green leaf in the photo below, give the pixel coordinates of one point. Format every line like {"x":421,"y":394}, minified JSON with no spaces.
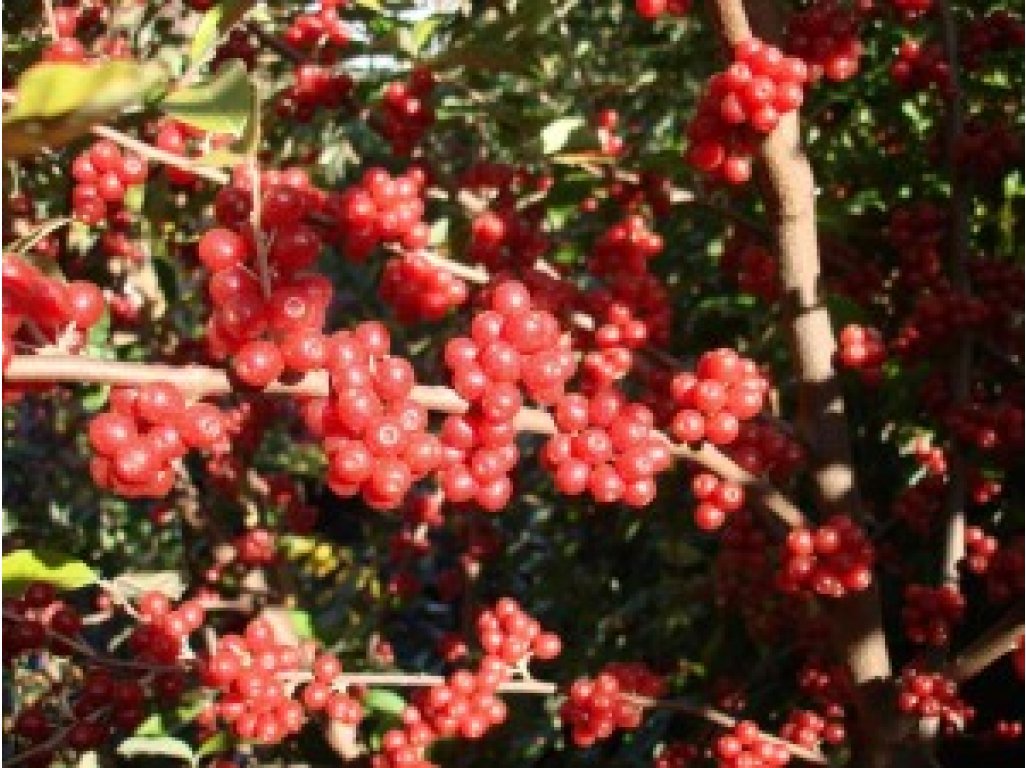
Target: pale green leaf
{"x":215,"y":23}
{"x":222,"y":105}
{"x":556,"y":134}
{"x":26,"y":565}
{"x":58,"y":102}
{"x":382,"y":700}
{"x":158,"y":746}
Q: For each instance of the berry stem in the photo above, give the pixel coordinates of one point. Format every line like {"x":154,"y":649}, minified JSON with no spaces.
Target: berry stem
{"x":198,"y":382}
{"x":54,"y":741}
{"x":89,"y":653}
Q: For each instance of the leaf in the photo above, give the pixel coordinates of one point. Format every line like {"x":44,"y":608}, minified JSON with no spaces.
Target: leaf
{"x":57,"y":102}
{"x":556,"y":134}
{"x":95,"y":398}
{"x":303,"y":624}
{"x":26,"y":565}
{"x":222,"y":105}
{"x":215,"y":24}
{"x":422,"y":32}
{"x":216,"y":744}
{"x":371,"y":5}
{"x":153,"y":726}
{"x":383,"y":700}
{"x":159,"y":746}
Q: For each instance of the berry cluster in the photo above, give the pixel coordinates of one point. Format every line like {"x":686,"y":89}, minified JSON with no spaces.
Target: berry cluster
{"x":30,"y":618}
{"x":506,"y":239}
{"x":862,"y":348}
{"x":745,"y":746}
{"x":252,"y":699}
{"x":256,"y":547}
{"x":919,"y":66}
{"x":919,"y":506}
{"x":319,"y":695}
{"x":314,"y":87}
{"x":627,"y":246}
{"x":182,"y":140}
{"x":272,"y":322}
{"x":102,"y":175}
{"x":987,"y":152}
{"x":615,"y":340}
{"x":990,"y":32}
{"x":605,"y":126}
{"x":508,"y":633}
{"x":911,"y":10}
{"x":725,"y":390}
{"x":929,"y":613}
{"x":716,"y":500}
{"x":420,"y":291}
{"x":753,"y":93}
{"x":826,"y":36}
{"x":932,"y":696}
{"x":466,"y":704}
{"x":164,"y":629}
{"x":809,"y":729}
{"x":381,"y":209}
{"x":1005,"y":572}
{"x":144,"y":432}
{"x":827,"y":683}
{"x":752,"y":266}
{"x":405,"y":111}
{"x":980,"y":549}
{"x":319,"y":31}
{"x":677,"y":754}
{"x":40,"y":309}
{"x":765,"y":447}
{"x":653,"y":9}
{"x":374,"y":435}
{"x":606,"y":446}
{"x":513,"y":349}
{"x":594,"y":709}
{"x":833,"y":560}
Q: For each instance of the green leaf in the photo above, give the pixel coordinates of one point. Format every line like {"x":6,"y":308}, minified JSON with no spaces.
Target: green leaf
{"x":556,"y":134}
{"x":382,"y":700}
{"x":216,"y":744}
{"x":159,"y":746}
{"x":95,"y":398}
{"x":57,"y":102}
{"x":422,"y":32}
{"x":26,"y":565}
{"x":371,"y":5}
{"x":215,"y":24}
{"x":152,"y":726}
{"x":302,"y":623}
{"x":222,"y":105}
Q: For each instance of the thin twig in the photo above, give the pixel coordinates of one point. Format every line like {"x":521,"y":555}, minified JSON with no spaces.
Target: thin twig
{"x":997,"y":641}
{"x":961,"y":361}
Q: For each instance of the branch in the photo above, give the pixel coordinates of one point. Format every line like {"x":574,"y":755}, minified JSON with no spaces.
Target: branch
{"x":961,"y":361}
{"x":198,"y":382}
{"x":788,"y":190}
{"x":54,"y":741}
{"x":91,"y":654}
{"x":994,"y":643}
{"x":545,"y":688}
